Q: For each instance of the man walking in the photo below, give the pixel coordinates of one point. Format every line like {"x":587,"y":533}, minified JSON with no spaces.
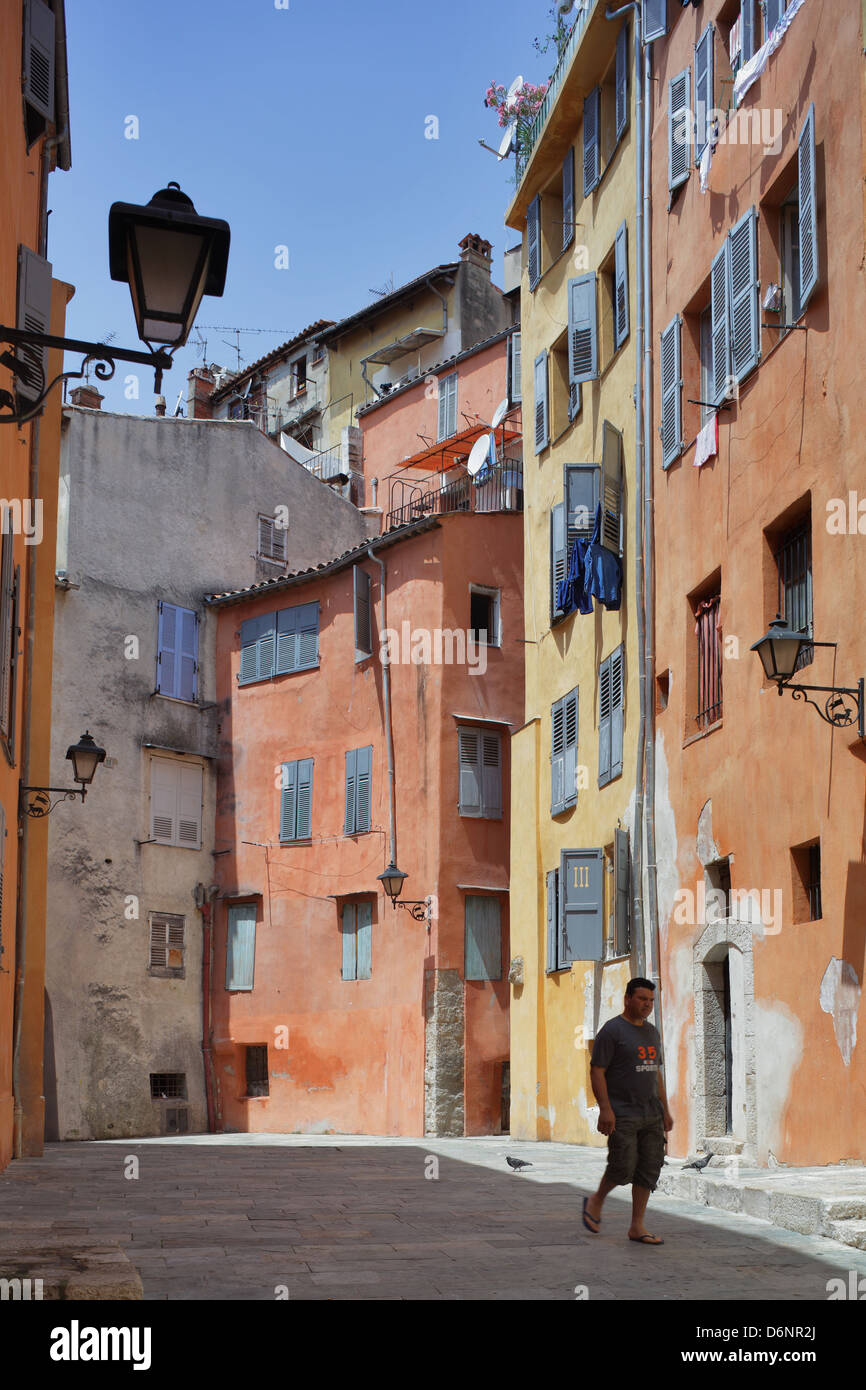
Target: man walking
{"x":627,"y":1084}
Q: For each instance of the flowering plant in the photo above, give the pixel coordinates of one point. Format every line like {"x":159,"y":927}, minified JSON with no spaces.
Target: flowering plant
{"x":520,"y":112}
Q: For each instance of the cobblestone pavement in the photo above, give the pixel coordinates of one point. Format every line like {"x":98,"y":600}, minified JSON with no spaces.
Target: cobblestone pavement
{"x":258,"y":1216}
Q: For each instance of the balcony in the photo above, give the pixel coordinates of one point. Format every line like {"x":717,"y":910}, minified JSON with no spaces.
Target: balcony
{"x":556,"y":81}
{"x":497,"y":488}
{"x":297,"y":411}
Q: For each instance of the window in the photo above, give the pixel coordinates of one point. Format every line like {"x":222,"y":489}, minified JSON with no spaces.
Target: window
{"x":482,"y":931}
{"x":610,"y":716}
{"x":806,"y":873}
{"x":591,"y":141}
{"x":239,"y":409}
{"x":655,"y":19}
{"x":568,"y":198}
{"x":807,"y":197}
{"x":357,"y":940}
{"x":620,"y":315}
{"x":533,"y":238}
{"x":734,"y":307}
{"x":794,"y":564}
{"x":773,"y":11}
{"x":737,"y":26}
{"x":542,"y":409}
{"x":241,"y":946}
{"x":299,"y":376}
{"x":789,"y":236}
{"x":363,"y":613}
{"x":570,"y":520}
{"x":582,"y":328}
{"x":480,"y":771}
{"x":515,"y":389}
{"x":166,"y":945}
{"x":577,"y":928}
{"x":671,"y":428}
{"x":256,"y":1067}
{"x":9,"y":579}
{"x":708,"y":684}
{"x":447,"y":406}
{"x":175,"y":803}
{"x":621,"y":81}
{"x":679,"y":128}
{"x":565,"y":395}
{"x":279,"y":643}
{"x":359,"y":767}
{"x":34,"y":315}
{"x":553,"y":943}
{"x":38,"y":69}
{"x":168,"y":1085}
{"x":704,"y":87}
{"x":177,"y":652}
{"x":484,"y":616}
{"x":563,"y":753}
{"x":272,"y":539}
{"x":296,"y":800}
{"x":705,"y":330}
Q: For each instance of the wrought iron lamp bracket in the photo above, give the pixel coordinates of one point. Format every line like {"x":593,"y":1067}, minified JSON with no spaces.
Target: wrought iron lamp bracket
{"x":103,"y":357}
{"x":420,"y":912}
{"x":844,"y":706}
{"x":41,"y":805}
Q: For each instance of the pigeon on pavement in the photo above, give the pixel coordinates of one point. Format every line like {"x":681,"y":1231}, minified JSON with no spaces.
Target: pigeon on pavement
{"x":699,"y":1162}
{"x":517,"y":1163}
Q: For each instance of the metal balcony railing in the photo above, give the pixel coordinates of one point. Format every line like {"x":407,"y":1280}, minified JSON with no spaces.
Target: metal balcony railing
{"x":524,"y":155}
{"x":494,"y":489}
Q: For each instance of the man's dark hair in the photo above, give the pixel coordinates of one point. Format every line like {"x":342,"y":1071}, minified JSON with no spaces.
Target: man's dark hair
{"x":637,"y":983}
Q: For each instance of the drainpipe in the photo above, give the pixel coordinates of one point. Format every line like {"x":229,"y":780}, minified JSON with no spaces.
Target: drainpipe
{"x":386,"y":690}
{"x":204,"y":903}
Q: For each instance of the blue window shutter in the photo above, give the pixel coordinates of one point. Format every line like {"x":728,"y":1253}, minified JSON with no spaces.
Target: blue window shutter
{"x":568,"y":198}
{"x":349,"y":939}
{"x":557,"y":757}
{"x":289,"y":802}
{"x":680,"y":128}
{"x":542,"y":433}
{"x":305,"y":799}
{"x":39,"y":49}
{"x":703,"y":88}
{"x":469,"y":752}
{"x":533,"y":235}
{"x":622,"y":888}
{"x":575,"y":400}
{"x":582,"y":328}
{"x":558,"y":556}
{"x":188,"y":660}
{"x":482,"y":939}
{"x":581,"y":905}
{"x":552,"y":921}
{"x":720,"y":324}
{"x":747,"y":30}
{"x":249,"y":652}
{"x":672,"y":392}
{"x":591,"y":146}
{"x":808,"y":209}
{"x":617,"y":691}
{"x":744,"y":298}
{"x":581,"y":492}
{"x":364,"y":940}
{"x":442,"y":428}
{"x":363,"y":615}
{"x":351,"y":784}
{"x":611,"y":488}
{"x":364,"y":765}
{"x":491,"y":775}
{"x":167,"y":661}
{"x":287,"y":641}
{"x":308,"y":636}
{"x":604,"y":722}
{"x":621,"y":81}
{"x":569,"y":710}
{"x":258,"y":641}
{"x":620,"y":313}
{"x":655,"y":19}
{"x":774,"y":11}
{"x":516,"y":392}
{"x":241,"y":947}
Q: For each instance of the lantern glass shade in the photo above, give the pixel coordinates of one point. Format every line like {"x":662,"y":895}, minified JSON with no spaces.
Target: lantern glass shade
{"x":779,"y":650}
{"x":85,"y":756}
{"x":392,"y":880}
{"x":170,"y":258}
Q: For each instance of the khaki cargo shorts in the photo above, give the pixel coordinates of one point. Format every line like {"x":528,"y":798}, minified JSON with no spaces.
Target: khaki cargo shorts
{"x":635,"y":1151}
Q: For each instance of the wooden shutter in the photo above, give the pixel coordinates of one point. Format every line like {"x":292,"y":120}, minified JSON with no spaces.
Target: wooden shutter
{"x":655,"y":19}
{"x":359,"y":763}
{"x":34,"y":315}
{"x":188,"y":658}
{"x":720,"y":324}
{"x":575,"y":399}
{"x":672,"y":401}
{"x":568,"y":198}
{"x":241,"y":947}
{"x":39,"y":60}
{"x":679,"y":128}
{"x":469,"y":753}
{"x":258,"y":644}
{"x":8,"y":636}
{"x":349,"y":968}
{"x":808,"y":209}
{"x":591,"y":147}
{"x":516,"y":387}
{"x":582,"y":328}
{"x":703,"y":89}
{"x":581,"y":905}
{"x":557,"y":757}
{"x":581,"y":492}
{"x":482,"y":938}
{"x":166,"y":661}
{"x":289,"y":801}
{"x":621,"y":81}
{"x":622,"y":888}
{"x":541,"y":408}
{"x":747,"y":31}
{"x":616,"y":711}
{"x":351,"y":784}
{"x":164,"y":780}
{"x":743,"y":289}
{"x":308,"y":636}
{"x":620,"y":312}
{"x":569,"y":776}
{"x":558,"y":555}
{"x":533,"y":233}
{"x":297,"y":638}
{"x":611,"y":488}
{"x":604,"y":722}
{"x":305,"y":799}
{"x":189,"y":805}
{"x":158,"y":942}
{"x":552,"y":921}
{"x":266,"y":535}
{"x":363,"y":625}
{"x":491,"y":775}
{"x":364,"y":940}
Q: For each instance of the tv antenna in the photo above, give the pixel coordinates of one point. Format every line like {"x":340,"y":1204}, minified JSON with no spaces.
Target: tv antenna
{"x":389,"y":287}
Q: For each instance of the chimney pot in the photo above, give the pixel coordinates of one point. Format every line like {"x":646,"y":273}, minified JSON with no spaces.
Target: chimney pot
{"x":87,"y":396}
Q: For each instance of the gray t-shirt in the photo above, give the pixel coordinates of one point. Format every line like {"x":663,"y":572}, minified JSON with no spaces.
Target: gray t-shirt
{"x":631,"y":1054}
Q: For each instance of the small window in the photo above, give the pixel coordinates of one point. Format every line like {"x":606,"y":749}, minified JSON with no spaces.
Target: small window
{"x":256,"y":1066}
{"x":272,"y":539}
{"x":482,"y":938}
{"x":356,"y":934}
{"x":806,"y":865}
{"x":168,"y":1085}
{"x":565,"y":396}
{"x":166,"y":946}
{"x":175,"y":803}
{"x":484,"y":616}
{"x":177,"y":652}
{"x":663,"y":691}
{"x":299,"y":377}
{"x":794,"y":564}
{"x":706,"y":666}
{"x":279,"y":643}
{"x":480,"y":773}
{"x":789,"y":234}
{"x":241,"y":946}
{"x":447,"y":406}
{"x":618,"y":880}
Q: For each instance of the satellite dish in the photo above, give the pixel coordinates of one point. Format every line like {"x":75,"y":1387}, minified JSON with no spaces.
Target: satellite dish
{"x":479,"y":455}
{"x":512,"y":92}
{"x":499,"y":414}
{"x":507,"y":141}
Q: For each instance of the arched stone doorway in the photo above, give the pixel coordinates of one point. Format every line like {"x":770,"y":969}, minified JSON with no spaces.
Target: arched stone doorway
{"x":725,"y":1081}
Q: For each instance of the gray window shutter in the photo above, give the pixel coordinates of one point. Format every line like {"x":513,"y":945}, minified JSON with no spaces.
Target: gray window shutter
{"x":575,"y":400}
{"x":363,"y":614}
{"x":447,"y":406}
{"x":568,"y":198}
{"x":469,"y":755}
{"x":308,"y":636}
{"x":552,"y":921}
{"x":582,"y":328}
{"x":164,"y":791}
{"x":621,"y":81}
{"x":747,"y":30}
{"x":349,"y":938}
{"x":241,"y":947}
{"x":258,"y":641}
{"x":581,"y":905}
{"x":39,"y":59}
{"x":620,"y":316}
{"x":187,"y":684}
{"x":616,"y":711}
{"x":166,"y":659}
{"x":34,"y":315}
{"x":569,"y":738}
{"x":516,"y":388}
{"x":611,"y":488}
{"x":541,"y":409}
{"x":482,"y":938}
{"x":808,"y":199}
{"x":351,"y":794}
{"x":745,"y":302}
{"x":655,"y":19}
{"x":591,"y":145}
{"x":720,"y":315}
{"x":364,"y":940}
{"x":774,"y":11}
{"x":604,"y":722}
{"x":679,"y":128}
{"x":297,"y":638}
{"x":558,"y":555}
{"x":289,"y":801}
{"x":305,"y":798}
{"x":557,"y":757}
{"x":703,"y":88}
{"x":364,"y":765}
{"x":491,"y":775}
{"x":672,"y":399}
{"x":533,"y":232}
{"x":581,"y":491}
{"x":622,"y":888}
{"x":189,"y":806}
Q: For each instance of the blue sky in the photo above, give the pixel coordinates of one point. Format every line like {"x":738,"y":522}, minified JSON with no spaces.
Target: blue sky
{"x":302,"y":127}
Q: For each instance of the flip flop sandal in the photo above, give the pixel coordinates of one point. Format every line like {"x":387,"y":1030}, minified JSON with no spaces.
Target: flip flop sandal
{"x":647,"y":1240}
{"x":588,"y":1216}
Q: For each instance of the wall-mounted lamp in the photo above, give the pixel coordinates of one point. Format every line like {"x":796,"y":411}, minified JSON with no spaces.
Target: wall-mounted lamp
{"x":85,"y":756}
{"x":392,"y":881}
{"x":780,"y":649}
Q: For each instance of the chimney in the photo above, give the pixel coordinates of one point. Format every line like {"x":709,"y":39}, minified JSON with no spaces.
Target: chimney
{"x":88,"y":396}
{"x":475,"y":250}
{"x":201,"y":385}
{"x":159,"y":408}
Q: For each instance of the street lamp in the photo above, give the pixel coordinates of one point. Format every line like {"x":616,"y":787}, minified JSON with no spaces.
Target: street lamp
{"x":170,"y":258}
{"x":85,"y":756}
{"x":392,"y":880}
{"x":780,"y":649}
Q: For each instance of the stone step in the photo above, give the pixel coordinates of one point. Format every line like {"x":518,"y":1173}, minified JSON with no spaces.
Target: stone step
{"x":847,"y":1233}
